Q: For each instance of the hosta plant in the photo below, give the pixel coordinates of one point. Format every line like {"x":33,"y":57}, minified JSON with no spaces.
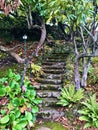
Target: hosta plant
{"x":89,"y":112}
{"x":18,"y":105}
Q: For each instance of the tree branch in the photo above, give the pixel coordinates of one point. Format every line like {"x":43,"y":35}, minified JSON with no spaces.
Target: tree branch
{"x":4,"y":49}
{"x":37,"y":26}
{"x":13,"y":54}
{"x":88,"y":32}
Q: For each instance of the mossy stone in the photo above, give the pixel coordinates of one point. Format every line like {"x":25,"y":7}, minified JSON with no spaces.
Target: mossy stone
{"x":50,"y":125}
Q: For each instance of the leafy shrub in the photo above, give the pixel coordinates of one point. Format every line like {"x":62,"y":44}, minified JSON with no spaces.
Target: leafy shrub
{"x":36,"y":70}
{"x":89,"y":112}
{"x":69,"y":96}
{"x":18,"y":105}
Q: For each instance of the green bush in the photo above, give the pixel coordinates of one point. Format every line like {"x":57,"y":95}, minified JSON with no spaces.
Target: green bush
{"x":19,"y":104}
{"x":89,"y":112}
{"x":36,"y":70}
{"x":69,"y":96}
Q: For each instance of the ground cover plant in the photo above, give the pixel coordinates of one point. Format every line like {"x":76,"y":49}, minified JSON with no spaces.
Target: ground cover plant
{"x":18,"y":104}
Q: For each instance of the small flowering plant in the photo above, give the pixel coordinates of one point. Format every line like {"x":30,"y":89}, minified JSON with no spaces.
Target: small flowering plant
{"x":18,"y":105}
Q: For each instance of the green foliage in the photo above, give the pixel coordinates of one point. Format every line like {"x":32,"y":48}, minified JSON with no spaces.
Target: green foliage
{"x":89,"y":112}
{"x":69,"y":96}
{"x":92,"y":77}
{"x":95,"y":60}
{"x":19,"y":105}
{"x":36,"y":70}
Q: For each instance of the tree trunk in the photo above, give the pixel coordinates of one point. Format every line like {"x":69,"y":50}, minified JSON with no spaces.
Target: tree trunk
{"x":76,"y":65}
{"x":42,"y":39}
{"x":86,"y":64}
{"x":84,"y":74}
{"x":13,"y":54}
{"x":77,"y":75}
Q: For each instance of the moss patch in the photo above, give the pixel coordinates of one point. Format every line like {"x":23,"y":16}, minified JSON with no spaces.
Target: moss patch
{"x":52,"y":125}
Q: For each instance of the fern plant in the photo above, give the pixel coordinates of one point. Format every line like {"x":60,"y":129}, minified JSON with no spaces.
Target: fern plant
{"x":70,"y":96}
{"x":89,"y":112}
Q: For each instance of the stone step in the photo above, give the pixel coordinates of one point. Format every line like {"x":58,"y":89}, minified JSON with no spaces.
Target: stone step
{"x":49,"y":113}
{"x":53,"y":71}
{"x":53,"y":67}
{"x":53,"y":63}
{"x":49,"y":81}
{"x":52,"y":76}
{"x":48,"y":102}
{"x":54,"y":56}
{"x":51,"y":87}
{"x":55,"y":60}
{"x":48,"y":93}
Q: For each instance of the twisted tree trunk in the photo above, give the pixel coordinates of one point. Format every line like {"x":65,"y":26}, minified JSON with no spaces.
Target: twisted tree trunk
{"x":42,"y":39}
{"x":11,"y":53}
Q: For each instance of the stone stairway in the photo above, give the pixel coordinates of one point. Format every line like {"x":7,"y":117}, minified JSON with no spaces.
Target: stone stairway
{"x":51,"y":83}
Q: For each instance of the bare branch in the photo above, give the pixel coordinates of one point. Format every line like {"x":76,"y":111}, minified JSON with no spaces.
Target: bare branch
{"x":89,"y":33}
{"x":4,"y":49}
{"x":84,"y":44}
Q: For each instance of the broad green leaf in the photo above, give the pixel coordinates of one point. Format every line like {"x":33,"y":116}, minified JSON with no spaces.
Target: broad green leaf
{"x":87,"y":125}
{"x":10,"y":73}
{"x":12,"y":117}
{"x":17,"y":77}
{"x":22,"y":123}
{"x":37,"y":100}
{"x":2,"y":80}
{"x":28,"y":116}
{"x":17,"y":113}
{"x":4,"y":119}
{"x":34,"y":109}
{"x":84,"y":118}
{"x":16,"y":102}
{"x":2,"y":92}
{"x":3,"y":112}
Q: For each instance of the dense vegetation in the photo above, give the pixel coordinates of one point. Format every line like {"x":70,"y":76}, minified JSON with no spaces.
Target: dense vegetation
{"x":73,"y":22}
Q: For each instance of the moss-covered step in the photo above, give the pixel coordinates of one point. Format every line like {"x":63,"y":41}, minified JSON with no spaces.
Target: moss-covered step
{"x":53,"y":63}
{"x":55,"y":60}
{"x":49,"y":125}
{"x":48,"y":93}
{"x":48,"y":102}
{"x":53,"y":71}
{"x":51,"y":86}
{"x":49,"y":81}
{"x":53,"y":67}
{"x":52,"y":76}
{"x":50,"y":113}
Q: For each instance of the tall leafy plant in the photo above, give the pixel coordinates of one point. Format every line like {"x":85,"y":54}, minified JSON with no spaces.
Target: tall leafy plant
{"x":19,"y":106}
{"x":89,"y":112}
{"x":70,"y":99}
